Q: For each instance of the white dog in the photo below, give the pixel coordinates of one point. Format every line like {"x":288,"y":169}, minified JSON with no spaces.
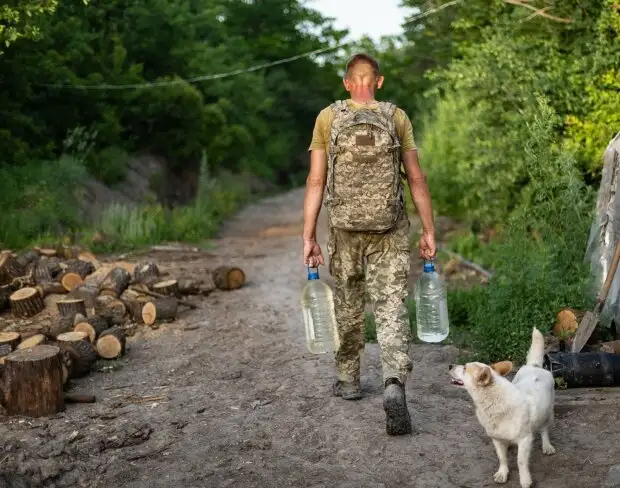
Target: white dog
{"x":512,"y":412}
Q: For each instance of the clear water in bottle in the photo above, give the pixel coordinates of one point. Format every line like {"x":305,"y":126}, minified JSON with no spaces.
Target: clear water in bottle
{"x":317,"y":304}
{"x":431,"y":305}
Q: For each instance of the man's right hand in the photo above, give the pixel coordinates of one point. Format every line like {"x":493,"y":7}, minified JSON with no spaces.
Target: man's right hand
{"x":313,"y":256}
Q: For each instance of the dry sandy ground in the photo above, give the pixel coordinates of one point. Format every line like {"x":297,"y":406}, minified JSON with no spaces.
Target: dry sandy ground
{"x":238,"y":402}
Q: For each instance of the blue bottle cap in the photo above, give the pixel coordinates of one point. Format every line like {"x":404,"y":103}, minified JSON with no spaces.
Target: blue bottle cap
{"x":313,"y":275}
{"x":429,"y":267}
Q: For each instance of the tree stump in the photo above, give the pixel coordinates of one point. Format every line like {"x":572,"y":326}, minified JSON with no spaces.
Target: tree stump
{"x":92,"y":327}
{"x":159,"y":310}
{"x":111,"y":343}
{"x":115,"y":283}
{"x":228,"y":277}
{"x":5,"y":293}
{"x":111,"y":308}
{"x":80,"y":350}
{"x":146,"y":272}
{"x":167,"y":287}
{"x":9,"y":269}
{"x":10,"y":339}
{"x":32,"y":341}
{"x":26,"y":302}
{"x":87,"y":292}
{"x":33,"y":385}
{"x":71,"y":307}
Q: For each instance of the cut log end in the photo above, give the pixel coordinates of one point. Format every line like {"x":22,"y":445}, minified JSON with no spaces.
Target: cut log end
{"x":71,"y":280}
{"x":26,"y":302}
{"x":11,"y":339}
{"x":92,"y":326}
{"x":159,"y":310}
{"x":111,"y":343}
{"x":33,"y":341}
{"x":228,"y":277}
{"x":167,"y":287}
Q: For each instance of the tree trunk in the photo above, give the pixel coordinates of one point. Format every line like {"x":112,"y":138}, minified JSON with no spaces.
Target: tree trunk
{"x":51,"y":288}
{"x":27,"y":258}
{"x":82,"y":268}
{"x":71,"y":280}
{"x":33,"y":385}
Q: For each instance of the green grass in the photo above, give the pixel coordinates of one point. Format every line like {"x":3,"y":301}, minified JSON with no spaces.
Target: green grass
{"x":41,"y":202}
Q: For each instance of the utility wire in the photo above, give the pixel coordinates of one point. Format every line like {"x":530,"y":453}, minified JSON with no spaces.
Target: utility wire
{"x":236,"y":72}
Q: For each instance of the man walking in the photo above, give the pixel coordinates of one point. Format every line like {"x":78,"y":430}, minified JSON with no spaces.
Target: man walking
{"x":357,"y":149}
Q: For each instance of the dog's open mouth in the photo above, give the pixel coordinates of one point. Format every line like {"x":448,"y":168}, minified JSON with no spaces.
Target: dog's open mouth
{"x":456,"y":382}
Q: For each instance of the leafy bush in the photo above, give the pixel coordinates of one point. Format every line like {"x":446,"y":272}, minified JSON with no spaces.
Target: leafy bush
{"x":128,"y":226}
{"x":537,"y":260}
{"x":39,"y":198}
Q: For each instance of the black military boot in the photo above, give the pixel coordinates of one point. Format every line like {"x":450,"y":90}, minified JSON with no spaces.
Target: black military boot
{"x":397,"y":419}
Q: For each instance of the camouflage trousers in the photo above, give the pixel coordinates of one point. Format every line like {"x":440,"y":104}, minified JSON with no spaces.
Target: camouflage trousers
{"x":384,"y":277}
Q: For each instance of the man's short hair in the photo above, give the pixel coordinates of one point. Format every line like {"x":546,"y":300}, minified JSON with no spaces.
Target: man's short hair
{"x":362,"y":58}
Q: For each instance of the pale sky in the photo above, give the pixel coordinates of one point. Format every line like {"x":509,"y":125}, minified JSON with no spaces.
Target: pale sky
{"x":364,"y":17}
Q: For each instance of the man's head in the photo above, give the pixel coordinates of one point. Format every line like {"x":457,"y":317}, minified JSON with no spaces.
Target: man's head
{"x":362,"y":77}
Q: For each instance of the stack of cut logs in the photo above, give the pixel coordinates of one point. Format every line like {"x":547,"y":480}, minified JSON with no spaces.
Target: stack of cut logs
{"x":99,"y":300}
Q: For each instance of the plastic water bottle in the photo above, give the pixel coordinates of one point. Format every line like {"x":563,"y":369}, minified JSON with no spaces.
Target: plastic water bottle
{"x":431,"y":305}
{"x":317,"y":304}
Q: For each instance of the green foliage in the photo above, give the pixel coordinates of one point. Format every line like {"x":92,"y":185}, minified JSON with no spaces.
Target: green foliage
{"x":538,"y":260}
{"x":131,"y":226}
{"x":39,"y":198}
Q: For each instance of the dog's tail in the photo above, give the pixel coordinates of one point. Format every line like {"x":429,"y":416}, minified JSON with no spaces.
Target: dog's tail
{"x":535,"y":355}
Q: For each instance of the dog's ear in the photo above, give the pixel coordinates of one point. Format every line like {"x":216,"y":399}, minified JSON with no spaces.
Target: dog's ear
{"x":482,"y":375}
{"x":502,"y":367}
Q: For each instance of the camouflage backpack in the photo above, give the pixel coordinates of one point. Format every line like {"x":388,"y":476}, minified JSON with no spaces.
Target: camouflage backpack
{"x":364,"y":190}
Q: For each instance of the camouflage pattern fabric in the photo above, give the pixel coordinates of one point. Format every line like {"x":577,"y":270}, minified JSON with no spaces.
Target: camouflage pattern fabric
{"x":385,"y":279}
{"x":364,"y":190}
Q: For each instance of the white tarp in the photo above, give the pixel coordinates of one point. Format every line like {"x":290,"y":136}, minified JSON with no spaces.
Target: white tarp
{"x":604,"y":232}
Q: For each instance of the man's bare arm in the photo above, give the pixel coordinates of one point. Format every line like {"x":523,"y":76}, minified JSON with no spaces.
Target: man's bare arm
{"x":419,"y":190}
{"x":315,"y":184}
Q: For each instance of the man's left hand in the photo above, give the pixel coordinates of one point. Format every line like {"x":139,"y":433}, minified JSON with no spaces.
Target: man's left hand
{"x":428,"y":248}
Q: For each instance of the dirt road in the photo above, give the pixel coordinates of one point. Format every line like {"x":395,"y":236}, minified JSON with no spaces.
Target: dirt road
{"x":238,"y":402}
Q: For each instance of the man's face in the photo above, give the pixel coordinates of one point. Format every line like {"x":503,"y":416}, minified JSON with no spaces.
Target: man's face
{"x":362,"y":82}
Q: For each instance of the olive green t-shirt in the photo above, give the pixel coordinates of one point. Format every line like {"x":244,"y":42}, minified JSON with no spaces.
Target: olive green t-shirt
{"x":322,"y":128}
